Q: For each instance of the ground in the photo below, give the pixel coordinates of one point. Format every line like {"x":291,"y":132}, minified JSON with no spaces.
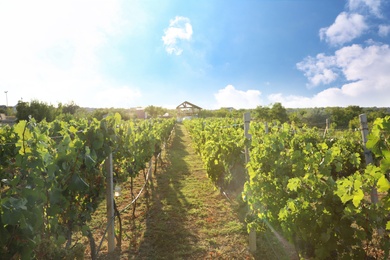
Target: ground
{"x":181,"y":215}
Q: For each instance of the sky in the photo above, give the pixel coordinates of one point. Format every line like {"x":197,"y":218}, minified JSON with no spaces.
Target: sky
{"x":220,"y":53}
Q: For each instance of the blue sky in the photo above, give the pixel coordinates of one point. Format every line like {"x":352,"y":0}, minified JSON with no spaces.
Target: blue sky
{"x":220,"y":53}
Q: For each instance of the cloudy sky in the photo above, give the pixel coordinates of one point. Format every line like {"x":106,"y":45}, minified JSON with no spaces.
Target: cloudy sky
{"x":220,"y":53}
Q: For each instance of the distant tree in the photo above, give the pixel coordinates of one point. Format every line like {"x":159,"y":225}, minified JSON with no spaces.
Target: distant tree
{"x":3,"y":110}
{"x":36,"y":109}
{"x":342,"y":116}
{"x":374,"y":113}
{"x":70,"y":108}
{"x":172,"y":112}
{"x":315,"y":117}
{"x":222,"y":112}
{"x":295,"y":117}
{"x":22,"y":110}
{"x":262,"y":113}
{"x":154,"y":111}
{"x":206,"y":113}
{"x":100,"y":113}
{"x":239,"y":113}
{"x":279,"y":113}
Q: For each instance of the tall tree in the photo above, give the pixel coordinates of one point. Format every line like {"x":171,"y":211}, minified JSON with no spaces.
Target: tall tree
{"x":278,"y":112}
{"x":263,"y":113}
{"x":36,"y":109}
{"x":154,"y":111}
{"x":70,"y":108}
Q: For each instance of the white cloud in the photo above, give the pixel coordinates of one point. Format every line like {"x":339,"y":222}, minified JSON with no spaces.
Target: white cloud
{"x":372,"y":5}
{"x":318,"y":70}
{"x":328,"y":97}
{"x":366,"y":69}
{"x":231,"y":97}
{"x":179,"y":28}
{"x":345,"y":28}
{"x":369,"y":66}
{"x":384,"y":30}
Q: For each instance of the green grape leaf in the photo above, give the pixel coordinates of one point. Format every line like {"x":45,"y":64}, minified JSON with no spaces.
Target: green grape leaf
{"x":343,"y":190}
{"x":77,"y":183}
{"x":339,"y":166}
{"x":372,"y":141}
{"x":383,"y":184}
{"x":72,"y":129}
{"x":357,"y":197}
{"x":98,"y":142}
{"x":385,"y":162}
{"x":293,"y":184}
{"x":374,"y":171}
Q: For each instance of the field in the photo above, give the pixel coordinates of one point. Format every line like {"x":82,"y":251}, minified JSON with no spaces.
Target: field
{"x":183,"y":216}
{"x":210,"y":185}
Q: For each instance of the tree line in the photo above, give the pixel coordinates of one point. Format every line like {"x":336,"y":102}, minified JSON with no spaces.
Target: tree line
{"x":43,"y":111}
{"x":339,"y":117}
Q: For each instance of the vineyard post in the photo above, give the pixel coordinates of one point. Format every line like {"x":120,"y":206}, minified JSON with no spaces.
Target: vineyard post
{"x":149,"y":173}
{"x":367,"y":153}
{"x":252,"y":232}
{"x":110,"y":204}
{"x":266,"y":127}
{"x":326,"y":127}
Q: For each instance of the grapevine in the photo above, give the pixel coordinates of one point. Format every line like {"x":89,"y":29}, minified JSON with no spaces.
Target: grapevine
{"x":52,"y":178}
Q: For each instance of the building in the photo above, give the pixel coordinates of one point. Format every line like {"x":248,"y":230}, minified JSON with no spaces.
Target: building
{"x":187,"y":110}
{"x":10,"y":120}
{"x":141,"y":113}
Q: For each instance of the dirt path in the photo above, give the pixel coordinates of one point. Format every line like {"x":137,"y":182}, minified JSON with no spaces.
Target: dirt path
{"x":183,"y":216}
{"x":187,"y":217}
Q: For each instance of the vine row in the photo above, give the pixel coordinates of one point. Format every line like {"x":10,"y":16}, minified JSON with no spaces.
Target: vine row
{"x":314,"y":190}
{"x":52,"y":178}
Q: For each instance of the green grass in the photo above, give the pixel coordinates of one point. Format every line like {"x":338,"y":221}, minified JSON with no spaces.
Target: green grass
{"x":183,"y":216}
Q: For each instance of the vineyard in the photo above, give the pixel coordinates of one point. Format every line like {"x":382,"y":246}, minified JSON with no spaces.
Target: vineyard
{"x":325,"y":193}
{"x":312,"y":189}
{"x":53,"y":178}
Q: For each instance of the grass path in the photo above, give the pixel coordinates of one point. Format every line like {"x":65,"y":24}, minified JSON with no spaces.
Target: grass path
{"x":183,"y":216}
{"x":188,"y":218}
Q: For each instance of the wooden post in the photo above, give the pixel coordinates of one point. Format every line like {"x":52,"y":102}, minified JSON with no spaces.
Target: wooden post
{"x":252,"y":232}
{"x":326,"y":127}
{"x":110,"y":204}
{"x":266,"y":127}
{"x":367,"y":153}
{"x":247,"y":120}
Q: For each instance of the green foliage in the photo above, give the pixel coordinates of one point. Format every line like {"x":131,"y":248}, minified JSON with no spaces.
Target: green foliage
{"x":262,"y":113}
{"x":35,"y":109}
{"x":220,"y":143}
{"x":70,"y":108}
{"x":293,"y":174}
{"x":154,"y":111}
{"x":52,"y":178}
{"x":278,"y":112}
{"x":315,"y":191}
